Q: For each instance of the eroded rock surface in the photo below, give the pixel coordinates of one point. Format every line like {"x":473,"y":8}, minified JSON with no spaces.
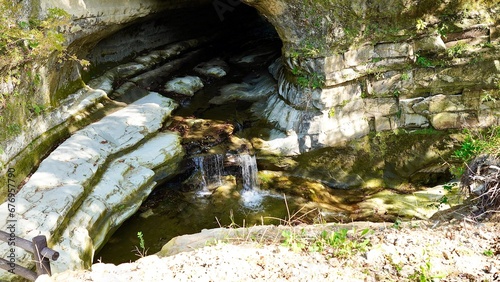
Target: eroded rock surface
{"x":67,"y":177}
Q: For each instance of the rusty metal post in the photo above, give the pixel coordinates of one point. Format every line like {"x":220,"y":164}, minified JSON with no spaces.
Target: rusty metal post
{"x":42,"y":262}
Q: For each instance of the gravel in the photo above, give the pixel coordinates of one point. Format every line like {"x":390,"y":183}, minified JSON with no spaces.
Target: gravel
{"x":411,"y":252}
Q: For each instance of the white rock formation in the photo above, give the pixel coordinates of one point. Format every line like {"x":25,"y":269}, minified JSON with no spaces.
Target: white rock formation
{"x":186,"y":85}
{"x":64,"y":180}
{"x":254,"y":90}
{"x":117,"y":196}
{"x":213,"y":68}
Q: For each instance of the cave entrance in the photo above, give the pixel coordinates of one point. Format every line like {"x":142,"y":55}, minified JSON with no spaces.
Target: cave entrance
{"x":214,"y":63}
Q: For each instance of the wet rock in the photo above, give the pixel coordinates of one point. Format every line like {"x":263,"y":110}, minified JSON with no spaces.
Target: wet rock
{"x":200,"y":135}
{"x":186,"y":85}
{"x":214,"y":68}
{"x":278,"y":144}
{"x":254,"y":90}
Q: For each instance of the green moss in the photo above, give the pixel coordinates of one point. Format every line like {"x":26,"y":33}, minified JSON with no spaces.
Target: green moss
{"x":28,"y":159}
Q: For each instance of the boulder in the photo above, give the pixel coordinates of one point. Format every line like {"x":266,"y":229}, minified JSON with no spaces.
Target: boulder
{"x":186,"y":85}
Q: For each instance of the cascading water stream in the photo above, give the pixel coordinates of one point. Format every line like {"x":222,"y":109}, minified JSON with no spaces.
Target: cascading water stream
{"x":251,"y":195}
{"x":210,"y":168}
{"x":248,"y":171}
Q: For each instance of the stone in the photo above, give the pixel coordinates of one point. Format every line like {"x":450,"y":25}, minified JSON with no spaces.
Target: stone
{"x":254,"y":90}
{"x":414,"y":121}
{"x":337,"y":95}
{"x":430,"y":44}
{"x":62,"y":180}
{"x":407,"y":105}
{"x":128,"y":180}
{"x":278,"y":144}
{"x":334,"y":63}
{"x":442,"y":121}
{"x":75,"y":104}
{"x":384,"y":86}
{"x":359,"y":56}
{"x":380,"y":106}
{"x":214,"y":68}
{"x":186,"y":85}
{"x":446,"y":103}
{"x":383,"y":124}
{"x":393,"y":50}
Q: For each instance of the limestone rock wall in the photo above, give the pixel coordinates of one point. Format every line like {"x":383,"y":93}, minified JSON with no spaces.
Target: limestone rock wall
{"x":354,"y":67}
{"x":48,"y":101}
{"x":89,"y":184}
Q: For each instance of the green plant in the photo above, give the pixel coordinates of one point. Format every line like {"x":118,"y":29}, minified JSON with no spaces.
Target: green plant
{"x":331,"y":112}
{"x":397,"y":224}
{"x":399,"y":113}
{"x":13,"y":129}
{"x":442,"y":30}
{"x":294,"y":241}
{"x":38,"y":109}
{"x":421,"y":25}
{"x":141,"y":251}
{"x":424,"y":273}
{"x":342,"y":243}
{"x":24,"y":41}
{"x":424,"y":62}
{"x":405,"y":76}
{"x":488,"y":253}
{"x":449,"y":186}
{"x":468,"y":149}
{"x":488,"y":96}
{"x":488,"y":45}
{"x":476,"y":142}
{"x":306,"y":80}
{"x":457,"y":50}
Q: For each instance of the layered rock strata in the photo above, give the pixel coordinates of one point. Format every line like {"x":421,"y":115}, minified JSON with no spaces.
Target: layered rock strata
{"x":84,"y":184}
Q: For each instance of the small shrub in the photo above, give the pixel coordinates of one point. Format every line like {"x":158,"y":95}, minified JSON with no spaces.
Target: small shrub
{"x":421,"y":25}
{"x":424,"y":62}
{"x":141,"y":251}
{"x":457,"y":50}
{"x":405,"y":76}
{"x":342,"y":243}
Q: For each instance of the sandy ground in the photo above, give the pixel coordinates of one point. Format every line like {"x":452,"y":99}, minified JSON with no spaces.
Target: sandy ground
{"x":409,"y":251}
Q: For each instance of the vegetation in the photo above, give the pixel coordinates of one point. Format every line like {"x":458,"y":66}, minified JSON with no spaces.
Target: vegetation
{"x":457,"y":50}
{"x":141,"y":251}
{"x":478,"y":142}
{"x":28,"y":44}
{"x":342,"y":243}
{"x":308,"y":80}
{"x":27,"y":39}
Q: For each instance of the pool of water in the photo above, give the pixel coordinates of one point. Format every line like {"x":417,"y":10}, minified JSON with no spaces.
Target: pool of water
{"x":170,"y":212}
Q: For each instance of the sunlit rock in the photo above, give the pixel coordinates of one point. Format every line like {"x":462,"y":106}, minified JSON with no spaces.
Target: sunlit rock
{"x":64,"y":179}
{"x":213,"y":68}
{"x":128,"y":180}
{"x":186,"y":85}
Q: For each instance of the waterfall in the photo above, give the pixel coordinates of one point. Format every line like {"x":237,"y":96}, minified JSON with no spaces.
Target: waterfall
{"x":210,"y":168}
{"x":248,"y":171}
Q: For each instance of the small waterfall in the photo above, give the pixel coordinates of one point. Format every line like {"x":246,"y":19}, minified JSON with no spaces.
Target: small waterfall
{"x":251,"y":196}
{"x":210,"y":168}
{"x":248,"y":171}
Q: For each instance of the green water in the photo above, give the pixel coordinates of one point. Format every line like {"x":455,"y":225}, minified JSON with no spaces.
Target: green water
{"x":173,"y":213}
